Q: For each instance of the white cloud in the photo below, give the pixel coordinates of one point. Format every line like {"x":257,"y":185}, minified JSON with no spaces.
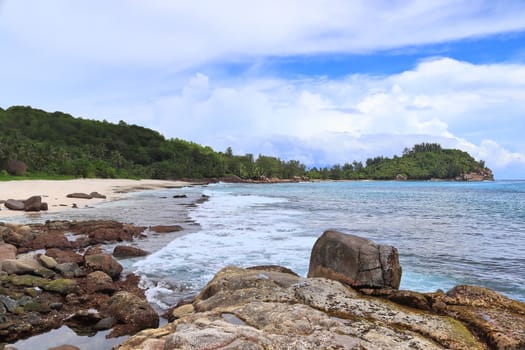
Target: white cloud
{"x":328,"y":121}
{"x":139,"y":61}
{"x":185,"y":34}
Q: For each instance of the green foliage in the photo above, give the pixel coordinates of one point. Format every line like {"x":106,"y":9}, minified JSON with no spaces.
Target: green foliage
{"x":58,"y":145}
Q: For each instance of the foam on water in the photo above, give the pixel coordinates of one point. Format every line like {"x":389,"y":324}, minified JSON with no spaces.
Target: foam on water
{"x":234,"y":230}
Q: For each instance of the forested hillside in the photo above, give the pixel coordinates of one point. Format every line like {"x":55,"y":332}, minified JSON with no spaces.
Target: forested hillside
{"x":59,"y":144}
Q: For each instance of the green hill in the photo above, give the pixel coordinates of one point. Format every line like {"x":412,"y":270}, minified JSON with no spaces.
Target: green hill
{"x":56,"y":144}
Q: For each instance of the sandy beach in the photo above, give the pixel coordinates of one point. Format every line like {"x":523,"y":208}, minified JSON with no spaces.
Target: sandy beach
{"x":54,"y":192}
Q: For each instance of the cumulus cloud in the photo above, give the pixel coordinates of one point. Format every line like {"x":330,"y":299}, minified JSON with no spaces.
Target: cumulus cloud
{"x":322,"y":121}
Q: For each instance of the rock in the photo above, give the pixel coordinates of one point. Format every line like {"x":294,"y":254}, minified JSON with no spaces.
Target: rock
{"x":104,"y":262}
{"x":9,"y":303}
{"x":126,"y":251}
{"x":16,"y":167}
{"x":68,"y":269}
{"x":494,"y":317}
{"x":64,"y":255}
{"x":134,"y":313}
{"x":36,"y":305}
{"x":102,"y":231}
{"x":14,"y":204}
{"x":181,"y":311}
{"x":64,"y":347}
{"x":47,"y":261}
{"x":180,"y":196}
{"x":7,"y":251}
{"x":356,"y":261}
{"x":105,"y":323}
{"x":19,"y":267}
{"x":79,"y":195}
{"x":257,"y":309}
{"x":99,"y":281}
{"x":33,"y":203}
{"x":44,"y":206}
{"x":97,"y":195}
{"x":63,"y":286}
{"x":51,"y":240}
{"x":84,"y":318}
{"x":166,"y":228}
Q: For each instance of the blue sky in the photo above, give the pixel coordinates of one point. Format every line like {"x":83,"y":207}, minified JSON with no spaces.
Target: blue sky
{"x":324,"y":82}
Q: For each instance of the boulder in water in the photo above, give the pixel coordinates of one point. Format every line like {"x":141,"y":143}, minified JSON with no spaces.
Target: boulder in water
{"x":356,"y":261}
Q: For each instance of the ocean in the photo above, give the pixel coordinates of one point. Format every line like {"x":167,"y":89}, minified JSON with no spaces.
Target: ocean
{"x":446,"y":233}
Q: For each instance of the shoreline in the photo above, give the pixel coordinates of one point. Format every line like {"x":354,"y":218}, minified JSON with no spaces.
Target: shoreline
{"x":54,"y":192}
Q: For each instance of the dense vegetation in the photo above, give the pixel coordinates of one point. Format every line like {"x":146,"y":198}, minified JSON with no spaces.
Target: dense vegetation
{"x":57,"y":144}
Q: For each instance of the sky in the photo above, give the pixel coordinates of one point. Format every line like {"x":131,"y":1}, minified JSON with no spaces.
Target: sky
{"x":322,"y":82}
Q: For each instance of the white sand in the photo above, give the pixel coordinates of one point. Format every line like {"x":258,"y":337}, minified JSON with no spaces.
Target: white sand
{"x":54,"y":192}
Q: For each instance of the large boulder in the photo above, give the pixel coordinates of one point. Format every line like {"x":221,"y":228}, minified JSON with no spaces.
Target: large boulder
{"x":132,"y":312}
{"x":356,"y":261}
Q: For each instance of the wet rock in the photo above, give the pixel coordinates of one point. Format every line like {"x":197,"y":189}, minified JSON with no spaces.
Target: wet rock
{"x":33,"y":203}
{"x":84,"y":318}
{"x":97,"y":195}
{"x":132,"y":312}
{"x":165,"y":228}
{"x":102,"y":231}
{"x":14,"y":204}
{"x":105,"y":323}
{"x":79,"y":195}
{"x":126,"y":251}
{"x":104,"y":262}
{"x":356,"y":261}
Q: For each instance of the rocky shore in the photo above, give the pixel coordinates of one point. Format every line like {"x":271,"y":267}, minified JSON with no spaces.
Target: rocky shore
{"x":270,"y":307}
{"x":57,"y":273}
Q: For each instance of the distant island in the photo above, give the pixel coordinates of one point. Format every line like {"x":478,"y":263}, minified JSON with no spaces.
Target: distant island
{"x":36,"y":143}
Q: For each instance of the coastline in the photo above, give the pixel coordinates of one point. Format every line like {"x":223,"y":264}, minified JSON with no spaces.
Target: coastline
{"x":55,"y":192}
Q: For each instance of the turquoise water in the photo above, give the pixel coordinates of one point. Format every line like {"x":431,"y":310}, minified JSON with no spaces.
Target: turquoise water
{"x":447,"y":233}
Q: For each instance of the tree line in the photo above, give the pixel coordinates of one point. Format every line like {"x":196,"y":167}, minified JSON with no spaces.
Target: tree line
{"x":59,"y":144}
